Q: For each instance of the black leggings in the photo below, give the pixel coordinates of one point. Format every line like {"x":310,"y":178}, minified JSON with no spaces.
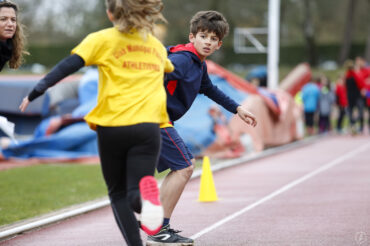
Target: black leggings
{"x":342,"y":113}
{"x":127,"y":154}
{"x":360,"y":104}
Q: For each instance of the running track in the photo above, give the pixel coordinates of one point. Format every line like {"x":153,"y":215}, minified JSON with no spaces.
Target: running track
{"x":314,"y":195}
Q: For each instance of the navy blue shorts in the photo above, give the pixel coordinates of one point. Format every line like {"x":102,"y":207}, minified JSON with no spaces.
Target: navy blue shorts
{"x":174,"y":153}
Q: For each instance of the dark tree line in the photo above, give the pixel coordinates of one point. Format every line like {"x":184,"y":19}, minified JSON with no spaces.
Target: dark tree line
{"x":303,"y":22}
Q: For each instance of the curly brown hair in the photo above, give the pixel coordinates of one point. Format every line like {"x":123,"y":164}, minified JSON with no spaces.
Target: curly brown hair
{"x":18,"y":39}
{"x":138,"y":14}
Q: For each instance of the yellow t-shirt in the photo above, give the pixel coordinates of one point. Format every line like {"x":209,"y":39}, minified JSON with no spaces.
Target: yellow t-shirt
{"x":131,"y":71}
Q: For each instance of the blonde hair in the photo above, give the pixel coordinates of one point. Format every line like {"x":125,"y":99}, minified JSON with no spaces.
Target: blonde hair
{"x":18,"y":39}
{"x":135,"y":14}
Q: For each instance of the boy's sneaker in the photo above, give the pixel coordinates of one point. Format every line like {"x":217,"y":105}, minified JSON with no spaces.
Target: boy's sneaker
{"x":168,"y":237}
{"x":151,"y":212}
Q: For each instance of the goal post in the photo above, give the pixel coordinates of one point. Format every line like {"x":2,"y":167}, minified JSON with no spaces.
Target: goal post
{"x":253,"y":40}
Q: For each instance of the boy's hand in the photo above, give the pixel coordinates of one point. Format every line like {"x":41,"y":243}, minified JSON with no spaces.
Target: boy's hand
{"x":246,"y":116}
{"x":24,"y":104}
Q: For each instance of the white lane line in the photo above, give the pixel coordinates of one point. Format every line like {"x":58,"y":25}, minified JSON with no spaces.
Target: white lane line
{"x":7,"y":232}
{"x":282,"y":190}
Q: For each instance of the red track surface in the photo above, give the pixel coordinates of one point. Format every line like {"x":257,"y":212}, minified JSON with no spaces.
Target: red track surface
{"x":318,"y":194}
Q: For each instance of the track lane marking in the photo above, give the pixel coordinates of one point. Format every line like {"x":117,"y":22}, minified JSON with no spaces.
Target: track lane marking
{"x":281,"y":190}
{"x":12,"y":231}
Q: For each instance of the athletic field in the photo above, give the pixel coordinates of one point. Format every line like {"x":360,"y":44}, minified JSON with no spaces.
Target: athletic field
{"x":313,"y":194}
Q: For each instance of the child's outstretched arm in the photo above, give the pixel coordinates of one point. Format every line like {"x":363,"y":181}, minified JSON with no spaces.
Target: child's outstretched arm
{"x":64,"y":68}
{"x":215,"y":94}
{"x":246,"y":116}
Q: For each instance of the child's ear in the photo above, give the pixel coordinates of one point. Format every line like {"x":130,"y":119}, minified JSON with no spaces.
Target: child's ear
{"x":191,"y":38}
{"x":110,"y":15}
{"x":219,"y":45}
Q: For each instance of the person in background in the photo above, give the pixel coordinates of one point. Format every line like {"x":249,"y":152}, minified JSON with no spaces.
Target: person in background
{"x":223,"y":134}
{"x":63,"y":135}
{"x":131,"y":105}
{"x":364,"y":72}
{"x":355,"y":86}
{"x":326,"y":102}
{"x":310,"y":98}
{"x":12,"y":43}
{"x":341,"y":101}
{"x":362,"y":69}
{"x":12,"y":39}
{"x":367,"y":96}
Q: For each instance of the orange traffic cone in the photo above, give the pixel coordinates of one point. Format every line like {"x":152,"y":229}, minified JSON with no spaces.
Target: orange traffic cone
{"x":207,"y":192}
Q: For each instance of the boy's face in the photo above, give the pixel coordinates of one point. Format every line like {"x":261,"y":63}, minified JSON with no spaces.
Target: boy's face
{"x":205,"y":43}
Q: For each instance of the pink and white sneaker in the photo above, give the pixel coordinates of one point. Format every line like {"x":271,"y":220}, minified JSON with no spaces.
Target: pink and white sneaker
{"x":151,"y":212}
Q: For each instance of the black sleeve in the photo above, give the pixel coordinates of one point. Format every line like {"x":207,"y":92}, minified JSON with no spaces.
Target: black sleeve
{"x":215,"y":94}
{"x":64,"y":68}
{"x":220,"y":98}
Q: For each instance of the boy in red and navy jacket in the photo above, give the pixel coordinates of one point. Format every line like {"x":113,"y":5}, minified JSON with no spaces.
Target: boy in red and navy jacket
{"x":190,"y":77}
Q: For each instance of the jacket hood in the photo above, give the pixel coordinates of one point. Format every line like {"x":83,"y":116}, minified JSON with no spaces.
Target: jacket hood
{"x":189,"y":47}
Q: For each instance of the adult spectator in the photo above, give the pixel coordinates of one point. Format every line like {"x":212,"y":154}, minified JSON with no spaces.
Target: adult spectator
{"x":361,"y":67}
{"x":355,"y":85}
{"x":12,"y":39}
{"x":363,"y":70}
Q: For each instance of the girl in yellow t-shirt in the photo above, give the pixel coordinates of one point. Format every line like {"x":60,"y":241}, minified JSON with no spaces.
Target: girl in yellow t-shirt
{"x":130,"y":107}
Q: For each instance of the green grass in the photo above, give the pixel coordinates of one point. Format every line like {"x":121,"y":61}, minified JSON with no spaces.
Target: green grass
{"x":35,"y":190}
{"x":27,"y":192}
